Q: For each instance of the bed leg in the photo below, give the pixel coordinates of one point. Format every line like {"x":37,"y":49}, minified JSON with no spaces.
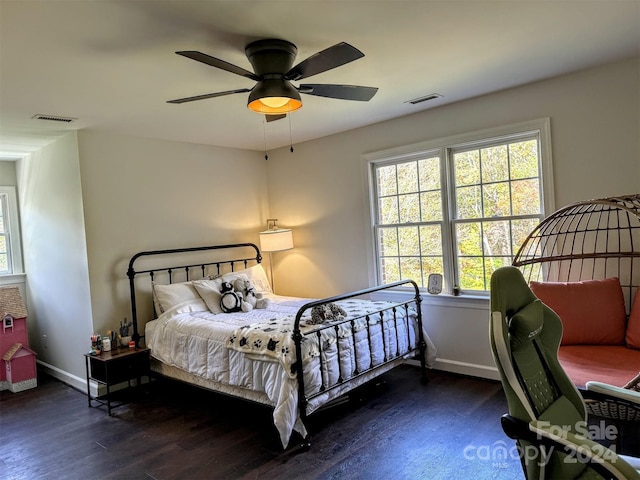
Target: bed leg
{"x":306,"y":443}
{"x":424,"y":378}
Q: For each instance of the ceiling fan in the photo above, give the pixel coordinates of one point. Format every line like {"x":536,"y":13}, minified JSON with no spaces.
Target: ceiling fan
{"x":274,"y":95}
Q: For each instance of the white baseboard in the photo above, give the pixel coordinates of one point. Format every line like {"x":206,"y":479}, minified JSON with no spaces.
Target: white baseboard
{"x":65,"y":377}
{"x":81,"y":383}
{"x":463,"y":368}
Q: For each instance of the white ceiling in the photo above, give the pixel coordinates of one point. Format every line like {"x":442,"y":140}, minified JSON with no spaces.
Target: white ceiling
{"x":111,"y":64}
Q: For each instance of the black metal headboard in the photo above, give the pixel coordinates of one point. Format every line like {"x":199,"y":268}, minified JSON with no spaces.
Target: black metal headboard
{"x":185,"y":269}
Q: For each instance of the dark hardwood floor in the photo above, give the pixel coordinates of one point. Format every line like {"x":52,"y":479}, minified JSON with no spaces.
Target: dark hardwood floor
{"x":394,"y":429}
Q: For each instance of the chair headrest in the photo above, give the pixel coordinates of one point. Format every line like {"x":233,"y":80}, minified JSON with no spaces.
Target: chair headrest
{"x":510,"y":292}
{"x":526,"y":324}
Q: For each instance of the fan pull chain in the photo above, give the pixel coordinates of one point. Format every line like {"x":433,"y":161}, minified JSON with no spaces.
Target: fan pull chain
{"x":264,"y":131}
{"x":290,"y":137}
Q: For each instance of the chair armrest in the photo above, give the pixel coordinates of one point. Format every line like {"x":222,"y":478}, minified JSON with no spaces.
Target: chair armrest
{"x":578,"y":448}
{"x":616,"y":392}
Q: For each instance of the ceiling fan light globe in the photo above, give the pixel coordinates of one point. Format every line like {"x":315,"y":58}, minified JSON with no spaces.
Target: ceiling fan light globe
{"x":275,"y":102}
{"x":259,"y":106}
{"x":273,"y":96}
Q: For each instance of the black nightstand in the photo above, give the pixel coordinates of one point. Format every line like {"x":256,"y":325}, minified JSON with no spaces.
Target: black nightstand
{"x":116,"y":366}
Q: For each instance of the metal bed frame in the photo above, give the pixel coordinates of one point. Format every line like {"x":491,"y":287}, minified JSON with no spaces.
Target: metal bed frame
{"x":202,"y":269}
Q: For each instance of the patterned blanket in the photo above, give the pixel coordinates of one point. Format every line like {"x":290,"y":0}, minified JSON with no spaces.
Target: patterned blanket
{"x":274,"y":338}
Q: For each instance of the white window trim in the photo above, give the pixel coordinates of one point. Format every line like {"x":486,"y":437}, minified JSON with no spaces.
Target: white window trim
{"x":15,"y":244}
{"x":406,"y":152}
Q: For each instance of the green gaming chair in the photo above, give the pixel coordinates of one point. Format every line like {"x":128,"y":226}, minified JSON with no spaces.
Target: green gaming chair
{"x":547,"y":415}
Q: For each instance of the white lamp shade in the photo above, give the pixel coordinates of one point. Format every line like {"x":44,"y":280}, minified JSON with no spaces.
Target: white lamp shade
{"x":276,"y":240}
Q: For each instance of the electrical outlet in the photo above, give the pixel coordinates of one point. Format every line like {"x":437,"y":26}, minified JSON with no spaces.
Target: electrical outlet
{"x":44,"y":341}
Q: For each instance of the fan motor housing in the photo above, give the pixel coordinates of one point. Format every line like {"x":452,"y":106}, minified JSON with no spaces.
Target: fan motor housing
{"x":271,"y":56}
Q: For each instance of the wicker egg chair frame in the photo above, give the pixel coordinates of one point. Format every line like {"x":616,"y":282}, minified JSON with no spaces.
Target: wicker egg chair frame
{"x":593,"y":239}
{"x":588,"y":240}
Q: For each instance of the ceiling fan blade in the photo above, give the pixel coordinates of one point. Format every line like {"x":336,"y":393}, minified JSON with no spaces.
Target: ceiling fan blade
{"x":327,"y":59}
{"x":216,"y":62}
{"x":342,"y":92}
{"x":209,"y":95}
{"x":273,"y":118}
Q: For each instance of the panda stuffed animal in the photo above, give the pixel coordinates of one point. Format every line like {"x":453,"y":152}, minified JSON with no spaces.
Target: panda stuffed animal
{"x":230,"y":301}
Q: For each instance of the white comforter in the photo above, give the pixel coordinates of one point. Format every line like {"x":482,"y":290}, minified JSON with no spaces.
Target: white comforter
{"x":197,"y":342}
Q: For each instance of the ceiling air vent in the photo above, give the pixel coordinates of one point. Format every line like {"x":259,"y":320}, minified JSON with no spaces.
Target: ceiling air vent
{"x":54,"y":118}
{"x":431,"y":96}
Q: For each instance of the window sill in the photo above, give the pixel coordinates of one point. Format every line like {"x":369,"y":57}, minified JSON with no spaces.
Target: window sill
{"x":442,"y":299}
{"x":13,"y":278}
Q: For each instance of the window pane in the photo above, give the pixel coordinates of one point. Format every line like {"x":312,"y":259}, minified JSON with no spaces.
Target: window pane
{"x":496,"y":200}
{"x":390,"y":269}
{"x":429,"y":174}
{"x":408,"y":240}
{"x":387,"y":184}
{"x":4,"y":263}
{"x":469,"y":238}
{"x":409,"y":208}
{"x":520,"y":229}
{"x":524,"y":159}
{"x":431,"y":240}
{"x":388,"y":242}
{"x":467,"y":168}
{"x":431,"y":206}
{"x":497,"y":238}
{"x":431,"y":265}
{"x":408,"y":177}
{"x":495,"y":164}
{"x":469,"y":202}
{"x":3,"y":244}
{"x":2,"y":230}
{"x":410,"y":269}
{"x":388,"y":210}
{"x":471,"y":273}
{"x":491,"y":265}
{"x":526,"y":197}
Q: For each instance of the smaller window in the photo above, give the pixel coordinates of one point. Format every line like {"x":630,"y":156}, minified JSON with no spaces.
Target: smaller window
{"x":10,"y":247}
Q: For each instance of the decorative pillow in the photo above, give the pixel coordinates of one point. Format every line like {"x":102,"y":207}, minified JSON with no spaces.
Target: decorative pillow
{"x":255,"y":274}
{"x":183,"y":295}
{"x":592,"y":311}
{"x":209,"y":290}
{"x":633,"y":326}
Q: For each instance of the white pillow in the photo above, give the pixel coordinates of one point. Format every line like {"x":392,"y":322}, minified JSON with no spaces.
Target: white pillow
{"x":173,"y":294}
{"x":255,"y":274}
{"x":209,"y":291}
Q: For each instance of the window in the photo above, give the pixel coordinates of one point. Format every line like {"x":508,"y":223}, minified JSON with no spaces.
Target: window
{"x":460,"y":206}
{"x":10,"y":249}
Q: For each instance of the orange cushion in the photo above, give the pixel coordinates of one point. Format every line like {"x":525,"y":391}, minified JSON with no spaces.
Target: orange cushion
{"x":592,"y":312}
{"x":612,"y":364}
{"x":633,"y":327}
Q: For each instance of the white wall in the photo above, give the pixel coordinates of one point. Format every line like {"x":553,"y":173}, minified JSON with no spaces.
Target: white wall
{"x":142,"y":194}
{"x":55,"y":256}
{"x":318,"y":189}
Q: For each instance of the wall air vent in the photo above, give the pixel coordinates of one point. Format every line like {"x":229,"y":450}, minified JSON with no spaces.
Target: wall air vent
{"x":54,"y":118}
{"x":431,"y":96}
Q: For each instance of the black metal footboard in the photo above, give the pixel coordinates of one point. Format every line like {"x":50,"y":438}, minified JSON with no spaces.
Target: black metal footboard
{"x":392,"y":349}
